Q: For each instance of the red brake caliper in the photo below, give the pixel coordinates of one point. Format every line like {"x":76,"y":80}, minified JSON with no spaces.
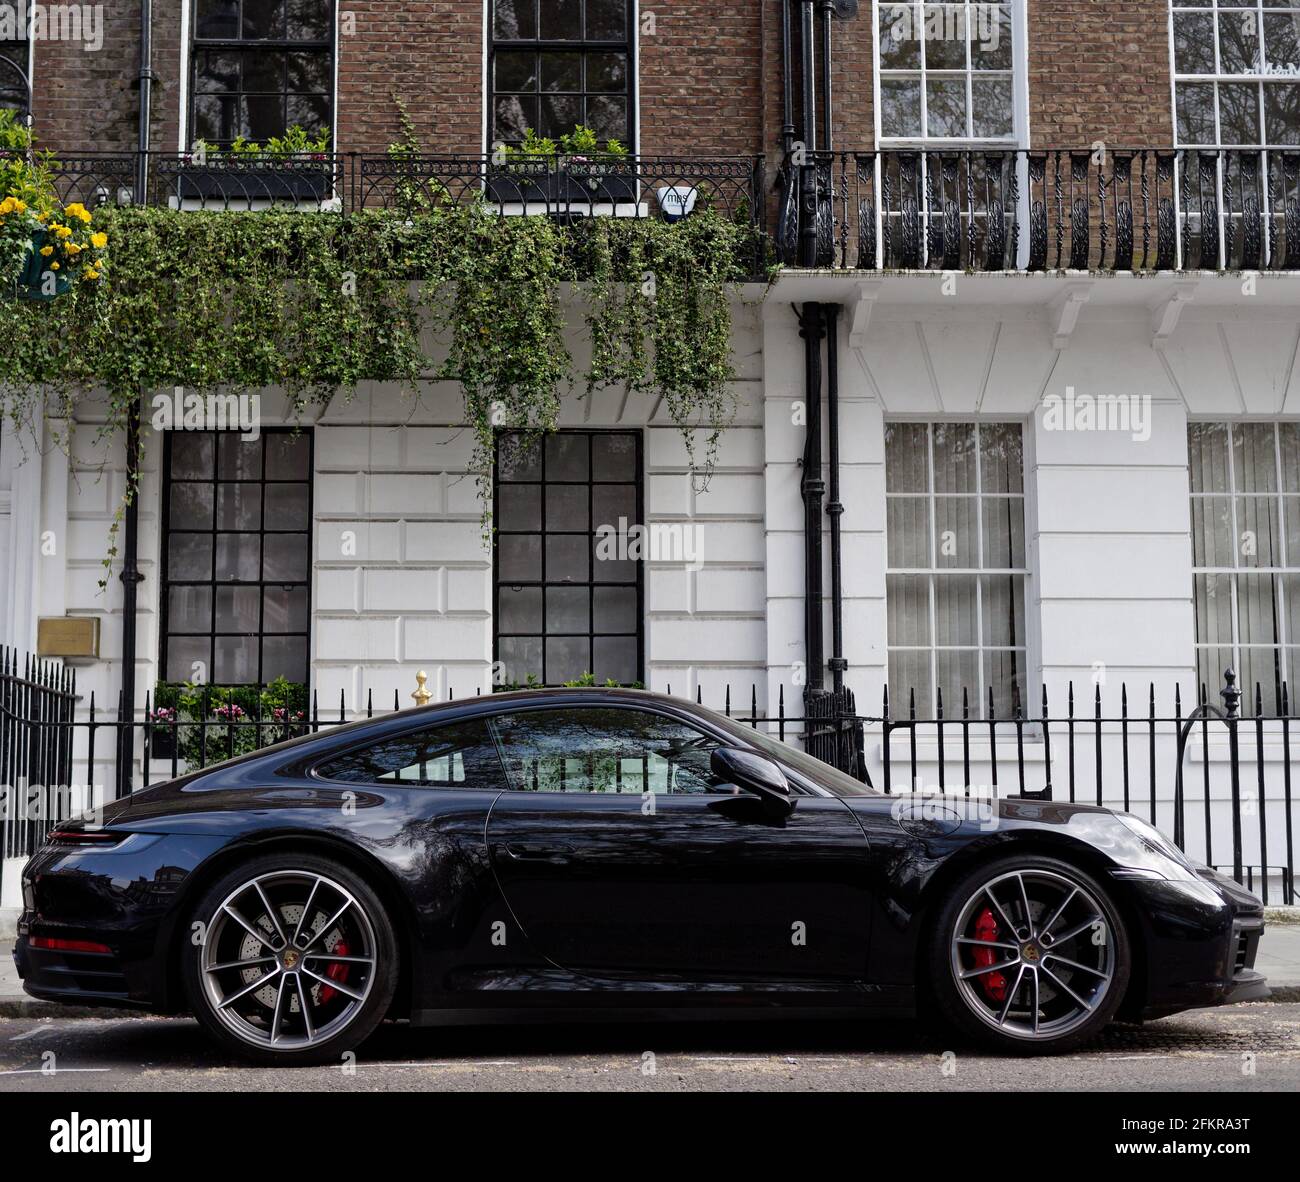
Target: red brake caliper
{"x":993,"y":984}
{"x":339,"y":972}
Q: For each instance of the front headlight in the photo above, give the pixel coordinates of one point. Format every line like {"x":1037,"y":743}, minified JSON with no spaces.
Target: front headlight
{"x":1155,"y":840}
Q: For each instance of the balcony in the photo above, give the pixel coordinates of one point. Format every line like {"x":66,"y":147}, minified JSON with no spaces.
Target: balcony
{"x":1117,"y":211}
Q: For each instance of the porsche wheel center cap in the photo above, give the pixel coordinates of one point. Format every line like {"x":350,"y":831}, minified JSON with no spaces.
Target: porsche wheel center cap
{"x":290,"y":958}
{"x":1030,"y":952}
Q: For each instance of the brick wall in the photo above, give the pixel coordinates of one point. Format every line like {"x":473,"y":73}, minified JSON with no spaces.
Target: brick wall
{"x":709,"y":76}
{"x":1099,"y":70}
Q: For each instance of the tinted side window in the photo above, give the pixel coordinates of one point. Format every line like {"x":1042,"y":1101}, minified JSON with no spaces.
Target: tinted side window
{"x":455,"y":755}
{"x":594,"y":749}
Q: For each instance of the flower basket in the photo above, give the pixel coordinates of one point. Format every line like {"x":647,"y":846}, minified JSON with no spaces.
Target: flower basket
{"x":32,"y":279}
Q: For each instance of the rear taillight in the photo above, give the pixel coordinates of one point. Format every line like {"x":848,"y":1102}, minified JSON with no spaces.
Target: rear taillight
{"x":83,"y":837}
{"x":52,"y":944}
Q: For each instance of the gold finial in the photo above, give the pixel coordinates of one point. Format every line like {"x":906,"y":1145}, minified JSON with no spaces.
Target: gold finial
{"x":421,"y":693}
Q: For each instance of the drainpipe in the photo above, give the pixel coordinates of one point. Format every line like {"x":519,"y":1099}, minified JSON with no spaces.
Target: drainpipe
{"x":131,"y":578}
{"x":146,"y":94}
{"x":812,"y":488}
{"x":808,"y":173}
{"x":834,"y":507}
{"x":828,"y":10}
{"x":787,"y":80}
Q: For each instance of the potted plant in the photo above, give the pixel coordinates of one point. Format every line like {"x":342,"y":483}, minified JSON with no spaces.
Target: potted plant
{"x":293,"y":167}
{"x":576,"y":170}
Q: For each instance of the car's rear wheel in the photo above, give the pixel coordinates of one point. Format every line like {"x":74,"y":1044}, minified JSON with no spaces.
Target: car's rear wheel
{"x":1029,"y":955}
{"x":296,"y":961}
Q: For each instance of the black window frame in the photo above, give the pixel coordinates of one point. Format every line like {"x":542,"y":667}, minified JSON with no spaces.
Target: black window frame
{"x":590,"y":583}
{"x":244,"y":47}
{"x":19,"y":51}
{"x":166,"y":582}
{"x":627,"y":44}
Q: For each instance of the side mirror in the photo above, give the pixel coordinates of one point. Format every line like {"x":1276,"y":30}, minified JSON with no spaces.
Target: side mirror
{"x":754,"y":773}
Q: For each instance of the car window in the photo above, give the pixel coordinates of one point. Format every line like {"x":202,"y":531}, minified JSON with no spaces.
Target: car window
{"x":454,"y":755}
{"x":604,"y":749}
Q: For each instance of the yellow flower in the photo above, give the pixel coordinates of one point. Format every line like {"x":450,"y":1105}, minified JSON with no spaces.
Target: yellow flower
{"x":63,"y":231}
{"x":54,"y":266}
{"x":75,"y":209}
{"x":47,"y":251}
{"x":90,"y":273}
{"x":40,"y":217}
{"x":73,"y":249}
{"x":84,"y":215}
{"x":99,"y":240}
{"x":8,"y":205}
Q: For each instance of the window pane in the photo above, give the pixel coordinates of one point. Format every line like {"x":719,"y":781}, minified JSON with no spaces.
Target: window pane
{"x":215,"y":71}
{"x":992,"y":108}
{"x":1002,"y":599}
{"x":1194,"y":43}
{"x":945,"y":107}
{"x":561,"y":72}
{"x":900,"y":47}
{"x":519,"y":609}
{"x":191,"y":506}
{"x":239,"y":506}
{"x":613,"y":457}
{"x":284,"y":609}
{"x":309,"y":20}
{"x":237,"y":458}
{"x":237,"y":609}
{"x":614,"y":659}
{"x":234,"y":660}
{"x":958,"y":674}
{"x":990,"y":37}
{"x":193,"y":456}
{"x":1004,"y":532}
{"x":1282,"y":39}
{"x":1254,"y":457}
{"x":909,"y":680}
{"x":1282,"y":113}
{"x":189,"y":556}
{"x":310,"y":112}
{"x":238,"y":557}
{"x":568,"y":658}
{"x":1258,"y":609}
{"x":515,"y":71}
{"x":1004,"y":675}
{"x":945,"y":36}
{"x":1260,"y":541}
{"x":908,"y":601}
{"x":456,"y":755}
{"x":519,"y":457}
{"x":217,"y":19}
{"x":1289,"y":439}
{"x":955,"y":611}
{"x":1212,"y":604}
{"x":519,"y":559}
{"x":568,"y":609}
{"x":1195,"y":103}
{"x":616,"y":609}
{"x":614,"y":503}
{"x":567,"y":507}
{"x":1238,"y":113}
{"x":513,"y":117}
{"x":603,"y":750}
{"x":566,"y":456}
{"x":1002,"y":459}
{"x":189,"y":658}
{"x":264,"y":71}
{"x":1238,"y":43}
{"x":286,"y":507}
{"x":607,"y":71}
{"x":1207,"y":448}
{"x":261,"y":117}
{"x":514,"y":19}
{"x":607,"y":117}
{"x":519,"y":506}
{"x":284,"y":656}
{"x":900,"y":107}
{"x":285,"y":559}
{"x":263,"y":19}
{"x":1213,"y":542}
{"x":606,"y":20}
{"x":189,"y":609}
{"x":521,"y":658}
{"x":567,"y":558}
{"x":561,"y":20}
{"x":956,"y":530}
{"x":954,"y":458}
{"x":907,"y":465}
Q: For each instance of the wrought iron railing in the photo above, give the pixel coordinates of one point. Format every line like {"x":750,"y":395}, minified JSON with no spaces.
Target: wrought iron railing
{"x":1219,"y":783}
{"x":1088,"y":210}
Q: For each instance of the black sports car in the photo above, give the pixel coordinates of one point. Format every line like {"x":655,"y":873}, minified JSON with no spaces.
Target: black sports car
{"x":574,"y":852}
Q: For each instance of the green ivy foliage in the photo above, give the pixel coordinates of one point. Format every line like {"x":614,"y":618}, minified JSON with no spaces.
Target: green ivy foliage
{"x":316,"y":303}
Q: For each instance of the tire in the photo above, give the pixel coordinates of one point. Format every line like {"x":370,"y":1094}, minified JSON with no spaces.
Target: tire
{"x":317,"y":936}
{"x":1039,"y":989}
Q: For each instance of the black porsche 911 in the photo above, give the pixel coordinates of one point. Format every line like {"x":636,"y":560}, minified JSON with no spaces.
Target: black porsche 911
{"x":572,"y":853}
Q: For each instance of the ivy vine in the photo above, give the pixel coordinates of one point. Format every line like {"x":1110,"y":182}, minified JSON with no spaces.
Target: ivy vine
{"x":316,"y":303}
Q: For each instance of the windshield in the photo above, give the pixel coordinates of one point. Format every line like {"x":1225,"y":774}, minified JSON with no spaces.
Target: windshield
{"x":838,"y":782}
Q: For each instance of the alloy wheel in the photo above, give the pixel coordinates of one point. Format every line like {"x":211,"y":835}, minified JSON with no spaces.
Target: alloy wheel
{"x":1033,"y":954}
{"x":288,"y":960}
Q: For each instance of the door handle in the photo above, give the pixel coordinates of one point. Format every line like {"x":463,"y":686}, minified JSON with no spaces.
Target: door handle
{"x":523,"y":851}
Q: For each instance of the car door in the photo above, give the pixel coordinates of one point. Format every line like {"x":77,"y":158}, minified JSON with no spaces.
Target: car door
{"x":619,"y":854}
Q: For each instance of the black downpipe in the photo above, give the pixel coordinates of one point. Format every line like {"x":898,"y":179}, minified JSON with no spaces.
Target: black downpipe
{"x":787,"y":79}
{"x":813,"y":488}
{"x":146,"y":100}
{"x":808,"y":173}
{"x":834,"y":507}
{"x":131,"y":579}
{"x":828,"y":10}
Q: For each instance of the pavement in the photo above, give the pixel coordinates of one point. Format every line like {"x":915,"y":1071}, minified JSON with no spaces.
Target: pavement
{"x":1246,"y":1048}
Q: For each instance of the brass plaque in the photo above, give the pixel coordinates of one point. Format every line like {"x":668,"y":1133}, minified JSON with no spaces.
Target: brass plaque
{"x":67,"y":636}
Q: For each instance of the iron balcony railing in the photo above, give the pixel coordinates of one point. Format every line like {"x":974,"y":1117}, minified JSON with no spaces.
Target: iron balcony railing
{"x":1219,"y":783}
{"x":1129,"y":210}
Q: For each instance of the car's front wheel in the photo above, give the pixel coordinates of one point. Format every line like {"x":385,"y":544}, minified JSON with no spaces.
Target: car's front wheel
{"x":292,"y":961}
{"x":1029,"y":955}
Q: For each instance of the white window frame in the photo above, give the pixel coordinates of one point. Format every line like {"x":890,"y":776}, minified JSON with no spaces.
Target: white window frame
{"x":1289,"y":646}
{"x":979,"y":572}
{"x":1019,"y":137}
